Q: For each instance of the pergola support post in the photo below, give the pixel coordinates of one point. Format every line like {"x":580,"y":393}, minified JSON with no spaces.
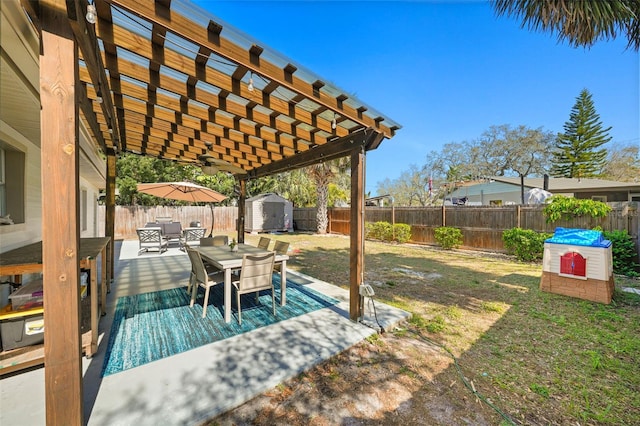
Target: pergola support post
{"x":110,"y":209}
{"x":60,"y":216}
{"x":241,"y":210}
{"x":356,"y":257}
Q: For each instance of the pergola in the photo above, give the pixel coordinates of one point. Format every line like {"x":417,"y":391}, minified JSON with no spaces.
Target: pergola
{"x":165,"y":79}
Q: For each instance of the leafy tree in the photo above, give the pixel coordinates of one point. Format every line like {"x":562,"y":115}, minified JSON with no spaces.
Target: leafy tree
{"x":297,"y":187}
{"x":500,"y":151}
{"x":132,"y":169}
{"x":623,"y":162}
{"x":580,"y":22}
{"x":262,"y":185}
{"x":520,"y":150}
{"x":578,"y":150}
{"x":410,"y":189}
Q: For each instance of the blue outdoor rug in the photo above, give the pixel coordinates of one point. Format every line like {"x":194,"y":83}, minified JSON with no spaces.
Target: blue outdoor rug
{"x":151,"y":326}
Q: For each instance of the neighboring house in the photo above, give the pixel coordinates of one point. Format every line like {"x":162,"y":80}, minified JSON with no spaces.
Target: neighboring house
{"x":506,"y":190}
{"x":20,"y":164}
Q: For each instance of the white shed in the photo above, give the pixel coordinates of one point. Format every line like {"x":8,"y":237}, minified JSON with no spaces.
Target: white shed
{"x":268,"y":212}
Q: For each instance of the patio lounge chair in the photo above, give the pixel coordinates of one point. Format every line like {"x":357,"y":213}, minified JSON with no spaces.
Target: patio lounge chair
{"x":202,"y":276}
{"x":191,"y":237}
{"x":264,"y":242}
{"x":256,"y":274}
{"x":151,"y":238}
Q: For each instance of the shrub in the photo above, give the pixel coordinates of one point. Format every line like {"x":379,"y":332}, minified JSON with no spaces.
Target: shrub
{"x":448,"y":237}
{"x":567,"y":208}
{"x":527,"y":245}
{"x":402,"y":232}
{"x":379,"y":231}
{"x":384,"y":231}
{"x":624,"y":252}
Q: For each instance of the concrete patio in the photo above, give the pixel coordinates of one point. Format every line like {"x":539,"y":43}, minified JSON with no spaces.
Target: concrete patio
{"x":198,"y":384}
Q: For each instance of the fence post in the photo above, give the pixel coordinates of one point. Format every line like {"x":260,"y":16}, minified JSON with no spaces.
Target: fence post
{"x":444,"y":219}
{"x":518,"y":220}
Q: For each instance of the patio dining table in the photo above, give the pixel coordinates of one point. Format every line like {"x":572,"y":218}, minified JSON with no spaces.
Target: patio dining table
{"x":226,"y":260}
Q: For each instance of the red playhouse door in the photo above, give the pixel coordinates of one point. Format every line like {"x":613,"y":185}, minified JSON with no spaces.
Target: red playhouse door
{"x":573,"y":263}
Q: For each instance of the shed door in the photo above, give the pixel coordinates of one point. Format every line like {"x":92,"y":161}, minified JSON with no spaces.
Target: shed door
{"x":273,"y":215}
{"x":573,"y":264}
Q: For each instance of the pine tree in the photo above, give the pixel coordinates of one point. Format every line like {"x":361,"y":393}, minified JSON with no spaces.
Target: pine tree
{"x":578,"y":150}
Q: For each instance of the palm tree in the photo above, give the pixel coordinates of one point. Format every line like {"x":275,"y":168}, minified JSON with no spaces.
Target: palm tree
{"x":580,"y":22}
{"x":322,"y":175}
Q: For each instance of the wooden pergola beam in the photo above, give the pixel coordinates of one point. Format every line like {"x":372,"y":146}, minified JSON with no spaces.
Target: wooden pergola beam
{"x":335,"y":149}
{"x":90,"y":116}
{"x":85,"y":36}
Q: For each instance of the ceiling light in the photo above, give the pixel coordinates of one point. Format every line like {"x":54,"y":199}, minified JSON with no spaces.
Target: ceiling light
{"x":99,"y":99}
{"x":92,"y":14}
{"x":334,"y":124}
{"x":250,"y":86}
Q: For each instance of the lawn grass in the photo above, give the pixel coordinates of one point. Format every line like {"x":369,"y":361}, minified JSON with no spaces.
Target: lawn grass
{"x":542,"y":358}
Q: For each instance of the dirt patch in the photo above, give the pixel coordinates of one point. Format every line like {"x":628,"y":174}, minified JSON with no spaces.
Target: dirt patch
{"x":388,"y":380}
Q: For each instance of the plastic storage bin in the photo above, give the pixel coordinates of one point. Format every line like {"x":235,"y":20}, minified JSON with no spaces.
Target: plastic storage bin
{"x":28,"y":296}
{"x":24,"y":329}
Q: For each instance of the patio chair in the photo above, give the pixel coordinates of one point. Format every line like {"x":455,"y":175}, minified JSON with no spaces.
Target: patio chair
{"x":256,"y":275}
{"x":280,"y":247}
{"x":191,"y":237}
{"x":172,"y":230}
{"x":206,"y":242}
{"x":264,"y":242}
{"x":202,"y":276}
{"x":151,"y":238}
{"x":220,"y":240}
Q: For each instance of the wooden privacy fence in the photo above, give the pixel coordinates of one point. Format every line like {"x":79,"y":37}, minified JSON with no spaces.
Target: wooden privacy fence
{"x":481,"y":226}
{"x":129,"y":218}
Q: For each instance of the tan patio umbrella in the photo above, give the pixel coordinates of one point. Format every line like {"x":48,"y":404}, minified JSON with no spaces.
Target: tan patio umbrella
{"x":183,"y":191}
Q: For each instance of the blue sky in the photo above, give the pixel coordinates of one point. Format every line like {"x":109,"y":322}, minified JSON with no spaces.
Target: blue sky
{"x":446,"y":71}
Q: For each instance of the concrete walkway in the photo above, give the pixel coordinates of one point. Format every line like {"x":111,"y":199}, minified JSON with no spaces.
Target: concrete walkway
{"x":198,"y":384}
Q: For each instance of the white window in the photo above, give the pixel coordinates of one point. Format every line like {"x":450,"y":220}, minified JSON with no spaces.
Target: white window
{"x":12,"y":179}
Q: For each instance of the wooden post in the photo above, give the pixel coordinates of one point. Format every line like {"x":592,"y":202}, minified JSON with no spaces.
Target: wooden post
{"x":110,"y":212}
{"x":444,"y":215}
{"x":518,"y":213}
{"x":241,"y":210}
{"x":60,"y":216}
{"x":356,"y":258}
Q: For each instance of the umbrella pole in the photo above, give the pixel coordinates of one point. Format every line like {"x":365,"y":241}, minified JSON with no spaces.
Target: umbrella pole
{"x":212,"y":220}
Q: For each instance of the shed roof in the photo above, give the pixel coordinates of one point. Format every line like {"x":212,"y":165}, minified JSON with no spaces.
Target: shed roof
{"x":267,"y":196}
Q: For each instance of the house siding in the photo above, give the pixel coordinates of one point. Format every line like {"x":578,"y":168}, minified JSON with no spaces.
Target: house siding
{"x":21,"y":46}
